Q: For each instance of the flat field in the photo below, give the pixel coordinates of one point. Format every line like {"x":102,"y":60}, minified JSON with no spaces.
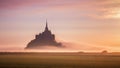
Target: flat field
{"x":59,"y":60}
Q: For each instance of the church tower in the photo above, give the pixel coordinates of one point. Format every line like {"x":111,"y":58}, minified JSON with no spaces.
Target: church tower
{"x":46,"y":28}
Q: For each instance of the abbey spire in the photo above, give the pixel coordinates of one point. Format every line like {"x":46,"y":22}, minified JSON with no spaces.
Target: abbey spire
{"x":46,"y":28}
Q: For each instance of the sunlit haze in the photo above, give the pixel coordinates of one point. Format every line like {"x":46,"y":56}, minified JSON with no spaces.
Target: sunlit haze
{"x":81,"y":25}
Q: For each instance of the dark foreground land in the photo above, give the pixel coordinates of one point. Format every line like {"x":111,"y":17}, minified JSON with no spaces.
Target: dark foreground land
{"x":59,"y":60}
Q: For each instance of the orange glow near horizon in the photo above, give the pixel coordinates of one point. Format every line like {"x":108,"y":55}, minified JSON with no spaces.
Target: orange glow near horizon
{"x":81,"y":25}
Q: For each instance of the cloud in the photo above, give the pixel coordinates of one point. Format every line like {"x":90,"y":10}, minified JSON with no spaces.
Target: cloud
{"x":12,"y":4}
{"x":108,"y":9}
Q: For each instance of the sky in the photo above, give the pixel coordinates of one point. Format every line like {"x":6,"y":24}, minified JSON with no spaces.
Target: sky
{"x":81,"y":25}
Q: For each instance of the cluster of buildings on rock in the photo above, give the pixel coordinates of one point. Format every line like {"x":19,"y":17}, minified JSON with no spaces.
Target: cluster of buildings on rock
{"x":45,"y":38}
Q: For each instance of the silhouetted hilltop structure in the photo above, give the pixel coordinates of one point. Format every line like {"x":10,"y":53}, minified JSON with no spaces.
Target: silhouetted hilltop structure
{"x":45,"y":38}
{"x":104,"y":52}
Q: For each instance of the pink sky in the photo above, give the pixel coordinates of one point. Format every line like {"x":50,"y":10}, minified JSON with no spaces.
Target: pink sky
{"x":88,"y":25}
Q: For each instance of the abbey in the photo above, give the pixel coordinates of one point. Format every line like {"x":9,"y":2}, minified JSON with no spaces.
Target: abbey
{"x":45,"y":38}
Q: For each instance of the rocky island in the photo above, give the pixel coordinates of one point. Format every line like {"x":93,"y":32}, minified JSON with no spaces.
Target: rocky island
{"x":45,"y":38}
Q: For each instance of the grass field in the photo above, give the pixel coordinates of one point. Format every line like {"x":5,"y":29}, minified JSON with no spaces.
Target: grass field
{"x":59,"y":60}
